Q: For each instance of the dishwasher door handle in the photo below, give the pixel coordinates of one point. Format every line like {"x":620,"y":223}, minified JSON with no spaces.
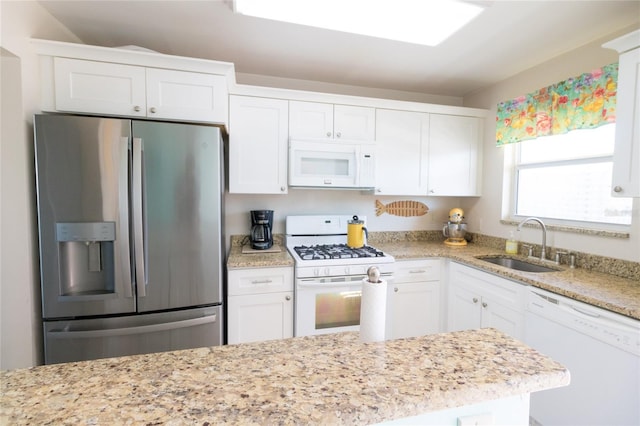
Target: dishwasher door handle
{"x":583,"y":312}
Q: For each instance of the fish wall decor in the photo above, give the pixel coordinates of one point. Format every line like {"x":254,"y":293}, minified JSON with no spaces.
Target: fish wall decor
{"x":402,"y":208}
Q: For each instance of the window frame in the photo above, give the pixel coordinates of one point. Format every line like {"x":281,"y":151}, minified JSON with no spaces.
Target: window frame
{"x":512,"y":166}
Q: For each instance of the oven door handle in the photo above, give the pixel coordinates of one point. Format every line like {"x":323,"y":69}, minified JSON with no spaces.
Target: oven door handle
{"x":326,"y":286}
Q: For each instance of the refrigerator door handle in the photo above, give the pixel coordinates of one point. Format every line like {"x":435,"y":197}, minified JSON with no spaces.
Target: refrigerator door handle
{"x":113,"y":332}
{"x":138,"y":217}
{"x":123,"y":217}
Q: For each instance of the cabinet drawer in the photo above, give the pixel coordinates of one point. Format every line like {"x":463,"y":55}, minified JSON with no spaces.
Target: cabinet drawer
{"x":259,"y":280}
{"x":417,"y":270}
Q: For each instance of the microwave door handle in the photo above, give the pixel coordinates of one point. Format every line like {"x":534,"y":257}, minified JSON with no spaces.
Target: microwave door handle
{"x":123,"y":217}
{"x":138,"y":217}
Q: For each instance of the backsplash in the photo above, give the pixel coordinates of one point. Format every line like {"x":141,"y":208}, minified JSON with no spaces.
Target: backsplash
{"x":607,"y":265}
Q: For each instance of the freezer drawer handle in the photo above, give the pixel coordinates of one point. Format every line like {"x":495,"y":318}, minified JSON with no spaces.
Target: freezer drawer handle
{"x":113,"y":332}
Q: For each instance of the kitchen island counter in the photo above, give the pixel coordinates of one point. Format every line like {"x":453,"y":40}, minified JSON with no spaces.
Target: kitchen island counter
{"x":326,"y":379}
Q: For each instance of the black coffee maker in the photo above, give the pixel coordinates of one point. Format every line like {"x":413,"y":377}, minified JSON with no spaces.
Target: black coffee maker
{"x":261,"y":224}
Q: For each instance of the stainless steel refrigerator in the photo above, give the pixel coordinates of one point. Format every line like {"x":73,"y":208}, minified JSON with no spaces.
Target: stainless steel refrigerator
{"x":131,"y":235}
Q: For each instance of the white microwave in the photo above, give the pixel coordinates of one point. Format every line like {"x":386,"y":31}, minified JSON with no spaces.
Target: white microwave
{"x":331,"y":164}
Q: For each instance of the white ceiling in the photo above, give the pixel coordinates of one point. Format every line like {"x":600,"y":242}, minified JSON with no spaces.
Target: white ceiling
{"x":509,"y":37}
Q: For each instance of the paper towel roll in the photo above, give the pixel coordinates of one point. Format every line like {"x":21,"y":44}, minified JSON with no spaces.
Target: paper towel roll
{"x":373,"y":310}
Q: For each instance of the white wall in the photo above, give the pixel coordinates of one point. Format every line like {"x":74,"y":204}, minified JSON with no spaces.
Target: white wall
{"x":20,"y":323}
{"x":484,"y":214}
{"x":342,"y":89}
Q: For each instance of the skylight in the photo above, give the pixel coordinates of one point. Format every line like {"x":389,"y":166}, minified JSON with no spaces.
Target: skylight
{"x":425,"y":22}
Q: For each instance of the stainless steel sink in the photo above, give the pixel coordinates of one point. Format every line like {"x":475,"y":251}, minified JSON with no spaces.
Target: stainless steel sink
{"x":517,"y":264}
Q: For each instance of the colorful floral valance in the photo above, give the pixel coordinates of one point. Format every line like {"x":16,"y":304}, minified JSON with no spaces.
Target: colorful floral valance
{"x":582,"y":102}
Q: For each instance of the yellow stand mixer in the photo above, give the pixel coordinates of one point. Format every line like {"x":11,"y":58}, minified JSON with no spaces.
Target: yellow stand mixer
{"x":455,"y":229}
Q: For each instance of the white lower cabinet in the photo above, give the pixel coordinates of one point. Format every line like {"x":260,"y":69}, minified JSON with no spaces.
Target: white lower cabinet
{"x":479,"y":299}
{"x":259,"y":304}
{"x":414,"y":297}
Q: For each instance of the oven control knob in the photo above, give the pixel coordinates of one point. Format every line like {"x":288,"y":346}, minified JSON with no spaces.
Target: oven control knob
{"x":346,"y":270}
{"x":327,"y":271}
{"x":316,"y":272}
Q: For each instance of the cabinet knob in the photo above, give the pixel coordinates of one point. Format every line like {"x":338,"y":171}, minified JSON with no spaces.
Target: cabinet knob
{"x":288,"y":297}
{"x":475,"y":300}
{"x":136,"y":108}
{"x":395,"y":289}
{"x":617,"y":188}
{"x":282,"y":189}
{"x":484,"y":304}
{"x":328,"y":134}
{"x":431,"y":191}
{"x":338,"y":134}
{"x":153,"y":110}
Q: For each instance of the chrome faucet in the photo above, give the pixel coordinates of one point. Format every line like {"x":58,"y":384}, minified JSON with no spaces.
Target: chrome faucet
{"x":543,"y":252}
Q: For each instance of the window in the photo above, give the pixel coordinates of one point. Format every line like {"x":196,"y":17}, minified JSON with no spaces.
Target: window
{"x":568,"y":177}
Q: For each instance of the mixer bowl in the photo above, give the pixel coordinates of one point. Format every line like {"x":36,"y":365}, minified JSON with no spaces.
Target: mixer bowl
{"x":454,"y":230}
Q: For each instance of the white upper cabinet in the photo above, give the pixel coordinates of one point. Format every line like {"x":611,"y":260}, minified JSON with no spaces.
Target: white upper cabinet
{"x":128,"y":90}
{"x":455,"y":155}
{"x":402,"y":141}
{"x":185,"y":95}
{"x":626,"y":157}
{"x":126,"y":82}
{"x":327,"y":121}
{"x":354,"y":122}
{"x":99,"y":88}
{"x":258,"y":141}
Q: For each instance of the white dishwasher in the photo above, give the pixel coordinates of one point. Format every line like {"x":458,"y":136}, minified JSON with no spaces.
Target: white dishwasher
{"x":600,"y":348}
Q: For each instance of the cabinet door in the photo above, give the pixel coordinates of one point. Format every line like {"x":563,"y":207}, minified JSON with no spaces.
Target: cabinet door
{"x":258,"y":141}
{"x":310,"y":120}
{"x":354,"y":123}
{"x":188,"y":96}
{"x":401,"y":152}
{"x":454,"y":155}
{"x":99,"y":88}
{"x":502,"y":317}
{"x":626,"y":157}
{"x":463,"y":308}
{"x":416,"y":309}
{"x":480,"y":299}
{"x":260,"y":317}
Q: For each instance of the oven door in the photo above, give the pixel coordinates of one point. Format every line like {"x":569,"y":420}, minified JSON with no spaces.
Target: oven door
{"x":327,"y":305}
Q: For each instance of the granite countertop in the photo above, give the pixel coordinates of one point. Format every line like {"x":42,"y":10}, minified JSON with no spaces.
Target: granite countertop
{"x":326,"y":379}
{"x":241,"y":257}
{"x":617,"y":294}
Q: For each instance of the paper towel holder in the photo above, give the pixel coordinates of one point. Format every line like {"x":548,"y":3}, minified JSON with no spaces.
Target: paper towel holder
{"x":373,"y":273}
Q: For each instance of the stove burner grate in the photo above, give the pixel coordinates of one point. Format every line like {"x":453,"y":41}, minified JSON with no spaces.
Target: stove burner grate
{"x":335,"y":251}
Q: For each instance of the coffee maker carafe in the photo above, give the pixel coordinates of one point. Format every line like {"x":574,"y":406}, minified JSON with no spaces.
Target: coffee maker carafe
{"x":261,"y":224}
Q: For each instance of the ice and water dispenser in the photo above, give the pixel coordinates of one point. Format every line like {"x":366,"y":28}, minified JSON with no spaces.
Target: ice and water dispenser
{"x":86,"y":258}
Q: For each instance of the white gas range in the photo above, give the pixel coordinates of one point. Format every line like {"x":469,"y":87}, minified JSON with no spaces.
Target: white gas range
{"x":328,"y":273}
